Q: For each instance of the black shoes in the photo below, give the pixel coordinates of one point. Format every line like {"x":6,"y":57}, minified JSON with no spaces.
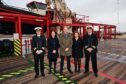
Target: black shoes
{"x":43,"y":75}
{"x":95,"y":74}
{"x":77,"y":70}
{"x":70,"y":71}
{"x":36,"y":76}
{"x":86,"y":73}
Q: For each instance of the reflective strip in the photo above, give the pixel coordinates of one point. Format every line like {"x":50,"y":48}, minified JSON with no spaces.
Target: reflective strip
{"x":17,"y":41}
{"x":16,"y":48}
{"x":16,"y":54}
{"x":16,"y":45}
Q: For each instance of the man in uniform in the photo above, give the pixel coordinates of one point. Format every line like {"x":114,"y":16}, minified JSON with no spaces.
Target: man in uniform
{"x":65,"y":49}
{"x":38,"y":49}
{"x":90,"y":47}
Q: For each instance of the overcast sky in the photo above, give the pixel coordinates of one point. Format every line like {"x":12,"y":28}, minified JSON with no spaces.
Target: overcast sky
{"x":99,"y":11}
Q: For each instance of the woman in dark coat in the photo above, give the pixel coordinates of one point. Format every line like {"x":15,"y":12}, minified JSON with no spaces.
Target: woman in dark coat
{"x":53,"y":45}
{"x":77,"y":51}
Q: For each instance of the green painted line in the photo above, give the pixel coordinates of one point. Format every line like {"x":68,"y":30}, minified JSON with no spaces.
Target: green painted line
{"x":1,"y":78}
{"x":15,"y":73}
{"x":58,"y":75}
{"x":53,"y":71}
{"x":68,"y":81}
{"x":47,"y":67}
{"x":7,"y":76}
{"x":29,"y":69}
{"x":64,"y":79}
{"x":18,"y":72}
{"x":22,"y":71}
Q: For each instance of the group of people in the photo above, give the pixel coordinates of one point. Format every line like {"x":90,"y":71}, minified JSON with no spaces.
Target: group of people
{"x":66,"y":46}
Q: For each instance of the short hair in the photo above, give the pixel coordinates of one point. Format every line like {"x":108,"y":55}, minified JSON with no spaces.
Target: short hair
{"x":89,"y":28}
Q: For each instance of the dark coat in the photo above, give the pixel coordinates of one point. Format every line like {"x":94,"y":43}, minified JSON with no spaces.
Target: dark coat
{"x":90,"y":41}
{"x":77,"y":48}
{"x":38,"y":43}
{"x":53,"y":44}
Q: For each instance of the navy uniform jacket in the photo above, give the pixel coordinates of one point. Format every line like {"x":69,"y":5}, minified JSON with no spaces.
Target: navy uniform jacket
{"x":90,"y":41}
{"x":38,"y":43}
{"x":77,"y":48}
{"x":53,"y":44}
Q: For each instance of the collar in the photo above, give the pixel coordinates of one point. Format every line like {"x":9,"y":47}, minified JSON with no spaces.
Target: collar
{"x":89,"y":34}
{"x":38,"y":35}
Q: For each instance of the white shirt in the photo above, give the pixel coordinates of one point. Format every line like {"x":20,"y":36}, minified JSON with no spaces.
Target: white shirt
{"x":89,"y":33}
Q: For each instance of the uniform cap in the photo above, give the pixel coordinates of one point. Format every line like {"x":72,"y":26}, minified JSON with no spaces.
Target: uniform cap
{"x":38,"y":28}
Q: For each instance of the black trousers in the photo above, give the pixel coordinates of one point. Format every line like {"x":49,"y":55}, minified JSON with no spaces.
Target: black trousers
{"x":77,"y":63}
{"x":93,"y":60}
{"x":39,"y":59}
{"x":62,"y":63}
{"x":50,"y":64}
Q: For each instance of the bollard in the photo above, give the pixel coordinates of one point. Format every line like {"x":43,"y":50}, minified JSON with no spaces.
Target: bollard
{"x":17,"y":47}
{"x":28,"y":43}
{"x":26,"y":47}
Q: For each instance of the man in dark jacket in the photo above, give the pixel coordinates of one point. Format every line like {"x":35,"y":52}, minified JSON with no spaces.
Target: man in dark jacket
{"x":38,"y":48}
{"x":90,"y":47}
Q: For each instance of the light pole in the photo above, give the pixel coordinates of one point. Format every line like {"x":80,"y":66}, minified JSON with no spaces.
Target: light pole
{"x":118,"y":19}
